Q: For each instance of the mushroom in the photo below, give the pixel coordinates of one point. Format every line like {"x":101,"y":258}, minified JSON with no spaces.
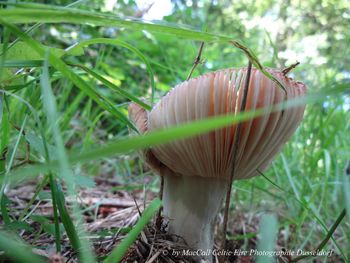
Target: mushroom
{"x":197,"y":170}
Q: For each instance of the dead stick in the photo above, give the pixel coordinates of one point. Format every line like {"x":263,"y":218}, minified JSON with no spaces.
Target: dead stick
{"x":235,"y":149}
{"x":159,"y":215}
{"x":196,"y":61}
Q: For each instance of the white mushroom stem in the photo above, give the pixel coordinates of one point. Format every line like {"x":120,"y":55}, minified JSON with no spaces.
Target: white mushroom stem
{"x":191,"y":204}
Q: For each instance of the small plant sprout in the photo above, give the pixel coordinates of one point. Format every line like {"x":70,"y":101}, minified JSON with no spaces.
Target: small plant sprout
{"x":197,"y":170}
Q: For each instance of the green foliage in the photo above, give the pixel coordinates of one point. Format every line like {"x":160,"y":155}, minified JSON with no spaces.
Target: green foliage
{"x":16,"y":249}
{"x":118,"y":253}
{"x":23,"y":51}
{"x":268,"y":237}
{"x":20,"y":54}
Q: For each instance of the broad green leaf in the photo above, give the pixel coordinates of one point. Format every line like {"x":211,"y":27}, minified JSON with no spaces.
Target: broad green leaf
{"x":36,"y":143}
{"x":22,"y":51}
{"x":21,"y":54}
{"x":8,"y":77}
{"x":45,"y":223}
{"x":16,"y":225}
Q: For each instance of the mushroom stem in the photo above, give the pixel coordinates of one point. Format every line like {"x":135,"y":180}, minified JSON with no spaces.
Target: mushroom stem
{"x":191,"y":204}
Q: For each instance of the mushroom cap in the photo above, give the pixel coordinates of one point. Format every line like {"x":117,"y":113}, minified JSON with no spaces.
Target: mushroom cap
{"x":220,"y":93}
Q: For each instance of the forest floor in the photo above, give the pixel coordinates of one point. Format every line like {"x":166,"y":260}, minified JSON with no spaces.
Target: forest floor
{"x":110,"y":212}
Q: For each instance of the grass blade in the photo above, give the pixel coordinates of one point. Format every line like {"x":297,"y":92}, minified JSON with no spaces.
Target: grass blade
{"x":56,"y":210}
{"x":6,"y":177}
{"x":114,"y":87}
{"x":65,"y":172}
{"x":4,"y":213}
{"x":4,"y":133}
{"x":290,"y":177}
{"x":267,"y":237}
{"x":59,"y":64}
{"x":17,"y":250}
{"x":347,"y":193}
{"x":119,"y":252}
{"x":65,"y":217}
{"x":118,"y":42}
{"x":31,"y":13}
{"x":304,"y":204}
{"x":326,"y":239}
{"x":22,"y":63}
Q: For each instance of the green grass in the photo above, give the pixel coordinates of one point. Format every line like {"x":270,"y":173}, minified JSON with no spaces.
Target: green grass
{"x":16,"y":250}
{"x":59,"y":119}
{"x":118,"y":253}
